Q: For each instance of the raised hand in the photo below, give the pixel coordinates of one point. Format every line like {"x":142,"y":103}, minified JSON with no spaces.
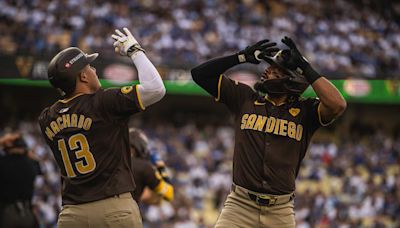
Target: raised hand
{"x":125,"y":44}
{"x":254,"y":53}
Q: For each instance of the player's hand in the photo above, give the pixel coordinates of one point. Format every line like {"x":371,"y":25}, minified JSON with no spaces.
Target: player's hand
{"x":296,"y":61}
{"x":295,"y":58}
{"x":160,"y":165}
{"x":254,"y":53}
{"x":125,"y":44}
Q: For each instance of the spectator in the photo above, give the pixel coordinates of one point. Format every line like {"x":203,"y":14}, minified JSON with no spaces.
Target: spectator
{"x":361,"y":38}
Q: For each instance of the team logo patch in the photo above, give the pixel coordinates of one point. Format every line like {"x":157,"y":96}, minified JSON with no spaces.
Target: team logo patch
{"x":294,"y":111}
{"x":126,"y":89}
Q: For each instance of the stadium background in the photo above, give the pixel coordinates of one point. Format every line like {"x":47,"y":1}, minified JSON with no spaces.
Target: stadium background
{"x":351,"y":175}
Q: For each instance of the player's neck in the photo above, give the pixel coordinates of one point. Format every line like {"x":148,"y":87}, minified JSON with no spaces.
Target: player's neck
{"x":80,"y":89}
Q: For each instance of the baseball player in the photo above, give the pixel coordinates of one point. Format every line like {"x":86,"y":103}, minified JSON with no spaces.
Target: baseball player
{"x":87,"y":132}
{"x":273,"y":127}
{"x":149,"y":172}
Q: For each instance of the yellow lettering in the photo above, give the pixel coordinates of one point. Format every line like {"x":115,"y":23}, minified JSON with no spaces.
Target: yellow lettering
{"x":260,"y":123}
{"x":66,"y":120}
{"x":270,"y":124}
{"x":54,"y":127}
{"x":299,"y":132}
{"x":49,"y":133}
{"x":250,"y":121}
{"x":64,"y":154}
{"x":244,"y":119}
{"x":59,"y":120}
{"x":283,"y":127}
{"x":277,"y":126}
{"x":87,"y":124}
{"x":291,"y":130}
{"x":74,"y":120}
{"x":81,"y":120}
{"x":80,"y":142}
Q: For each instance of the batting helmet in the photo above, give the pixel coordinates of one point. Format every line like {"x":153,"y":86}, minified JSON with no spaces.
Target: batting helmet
{"x":293,"y":82}
{"x":139,"y":141}
{"x":65,"y":66}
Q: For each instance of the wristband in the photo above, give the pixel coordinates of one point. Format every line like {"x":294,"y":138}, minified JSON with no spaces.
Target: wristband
{"x":133,"y":49}
{"x":310,"y":74}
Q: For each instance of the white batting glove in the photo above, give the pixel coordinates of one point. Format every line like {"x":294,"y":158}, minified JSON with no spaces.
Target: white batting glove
{"x":125,"y":44}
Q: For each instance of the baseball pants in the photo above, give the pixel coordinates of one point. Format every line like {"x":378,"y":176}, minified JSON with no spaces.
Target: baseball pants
{"x":117,"y":211}
{"x":241,"y":211}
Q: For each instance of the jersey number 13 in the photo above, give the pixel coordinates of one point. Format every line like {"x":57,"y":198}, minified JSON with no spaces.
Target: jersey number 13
{"x":79,"y":143}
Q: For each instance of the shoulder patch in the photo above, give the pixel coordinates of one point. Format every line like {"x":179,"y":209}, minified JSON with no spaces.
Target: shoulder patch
{"x":294,"y":111}
{"x":126,"y":89}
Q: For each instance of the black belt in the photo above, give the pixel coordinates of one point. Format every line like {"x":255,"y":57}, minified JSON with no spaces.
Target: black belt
{"x":263,"y":199}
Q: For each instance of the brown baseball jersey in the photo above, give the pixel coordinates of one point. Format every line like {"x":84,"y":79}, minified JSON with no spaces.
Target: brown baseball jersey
{"x":145,"y":175}
{"x":270,"y":140}
{"x":88,"y":135}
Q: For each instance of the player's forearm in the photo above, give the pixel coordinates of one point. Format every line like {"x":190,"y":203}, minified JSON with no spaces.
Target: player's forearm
{"x":151,"y":87}
{"x":150,"y":197}
{"x":207,"y":74}
{"x":332,"y":100}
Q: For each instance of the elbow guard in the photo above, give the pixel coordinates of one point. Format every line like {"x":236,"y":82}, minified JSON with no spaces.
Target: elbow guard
{"x":162,"y":91}
{"x":157,"y":94}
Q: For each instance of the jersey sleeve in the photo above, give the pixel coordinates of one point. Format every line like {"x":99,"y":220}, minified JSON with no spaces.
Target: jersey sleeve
{"x":151,"y":176}
{"x":314,"y":120}
{"x":232,"y":93}
{"x":122,"y":101}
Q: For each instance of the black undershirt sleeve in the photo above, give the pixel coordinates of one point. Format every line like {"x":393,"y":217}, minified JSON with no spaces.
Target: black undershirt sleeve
{"x":207,"y":74}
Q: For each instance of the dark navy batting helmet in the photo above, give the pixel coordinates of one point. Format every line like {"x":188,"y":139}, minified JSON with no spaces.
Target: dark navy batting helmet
{"x":139,"y":142}
{"x":65,"y":66}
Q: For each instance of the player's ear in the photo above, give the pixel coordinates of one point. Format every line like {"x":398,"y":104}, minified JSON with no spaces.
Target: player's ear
{"x":83,"y":76}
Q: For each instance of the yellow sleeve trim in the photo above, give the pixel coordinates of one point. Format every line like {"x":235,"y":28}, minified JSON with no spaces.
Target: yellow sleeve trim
{"x":165,"y":190}
{"x":71,"y":98}
{"x":138,"y":97}
{"x":219,"y":88}
{"x":320,"y":118}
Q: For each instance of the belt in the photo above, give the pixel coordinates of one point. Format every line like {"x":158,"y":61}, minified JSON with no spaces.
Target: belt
{"x":263,"y":199}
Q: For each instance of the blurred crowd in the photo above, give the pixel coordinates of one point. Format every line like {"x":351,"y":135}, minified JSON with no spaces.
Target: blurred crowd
{"x":352,"y":181}
{"x":341,"y":38}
